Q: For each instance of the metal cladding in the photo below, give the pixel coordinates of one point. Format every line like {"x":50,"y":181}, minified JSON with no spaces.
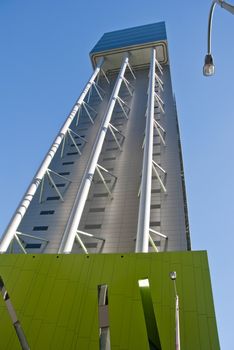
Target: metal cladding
{"x":111,"y":182}
{"x":112,"y":179}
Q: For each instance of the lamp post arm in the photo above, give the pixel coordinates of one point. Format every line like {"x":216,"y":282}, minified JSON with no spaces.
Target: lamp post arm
{"x":210,"y":26}
{"x":225,"y":5}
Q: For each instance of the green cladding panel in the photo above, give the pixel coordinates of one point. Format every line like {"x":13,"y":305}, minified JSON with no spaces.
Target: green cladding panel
{"x":56,"y":300}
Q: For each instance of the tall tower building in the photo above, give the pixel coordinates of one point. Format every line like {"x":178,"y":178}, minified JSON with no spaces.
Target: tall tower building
{"x":113,"y":182}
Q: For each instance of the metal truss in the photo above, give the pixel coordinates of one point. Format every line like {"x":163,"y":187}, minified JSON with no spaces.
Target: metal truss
{"x":88,"y":110}
{"x":17,"y":238}
{"x":79,"y":204}
{"x":123,"y":105}
{"x":113,"y":129}
{"x":81,"y":243}
{"x":37,"y":180}
{"x":149,"y":165}
{"x":52,"y":183}
{"x":99,"y":168}
{"x":69,"y":135}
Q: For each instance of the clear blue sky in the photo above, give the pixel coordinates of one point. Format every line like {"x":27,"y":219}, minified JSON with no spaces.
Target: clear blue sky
{"x":44,"y":64}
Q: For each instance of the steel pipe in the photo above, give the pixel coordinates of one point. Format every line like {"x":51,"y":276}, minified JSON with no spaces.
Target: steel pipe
{"x":77,"y":210}
{"x":29,"y":195}
{"x":142,"y":239}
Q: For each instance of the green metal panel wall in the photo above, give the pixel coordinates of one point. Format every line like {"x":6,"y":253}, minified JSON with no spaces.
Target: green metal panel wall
{"x":56,"y":300}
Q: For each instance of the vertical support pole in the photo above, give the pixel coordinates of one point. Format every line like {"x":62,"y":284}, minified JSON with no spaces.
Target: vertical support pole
{"x":77,"y":210}
{"x":177,"y":321}
{"x":142,"y":239}
{"x":21,"y":210}
{"x":14,"y":319}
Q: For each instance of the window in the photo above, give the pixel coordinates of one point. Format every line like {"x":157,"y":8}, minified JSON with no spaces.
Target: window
{"x":155,"y":206}
{"x":64,"y":173}
{"x":96,"y":210}
{"x":71,"y":153}
{"x":68,"y":163}
{"x":40,"y":228}
{"x":60,"y":185}
{"x":77,"y":144}
{"x":33,"y":246}
{"x":100,"y":195}
{"x":101,"y":182}
{"x":112,"y":149}
{"x":55,"y":198}
{"x":92,"y":226}
{"x":109,"y":158}
{"x":155,"y":223}
{"x":155,"y":190}
{"x":47,"y":212}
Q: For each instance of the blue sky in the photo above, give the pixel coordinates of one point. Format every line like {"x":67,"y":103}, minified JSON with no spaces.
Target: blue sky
{"x":44,"y":64}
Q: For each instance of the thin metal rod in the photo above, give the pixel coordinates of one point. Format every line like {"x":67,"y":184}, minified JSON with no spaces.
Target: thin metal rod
{"x":142,"y":239}
{"x":159,"y":179}
{"x":210,"y":21}
{"x":88,"y":106}
{"x":122,"y":107}
{"x":55,"y":187}
{"x":81,"y":243}
{"x":90,"y":235}
{"x":129,"y":67}
{"x":89,"y":115}
{"x":41,"y":189}
{"x":63,"y":177}
{"x":159,"y":133}
{"x":160,"y":82}
{"x":29,"y":195}
{"x":159,"y":102}
{"x":153,"y":244}
{"x":104,"y":182}
{"x":100,"y":88}
{"x":115,"y":138}
{"x":119,"y":132}
{"x":160,"y":127}
{"x":103,"y":72}
{"x":79,"y":110}
{"x":158,"y":233}
{"x":74,"y":142}
{"x":30,"y":236}
{"x":159,"y":66}
{"x":159,"y":167}
{"x":96,"y":88}
{"x":107,"y":171}
{"x":79,"y":204}
{"x":20,"y":244}
{"x":126,"y":83}
{"x":177,"y":322}
{"x":80,"y":137}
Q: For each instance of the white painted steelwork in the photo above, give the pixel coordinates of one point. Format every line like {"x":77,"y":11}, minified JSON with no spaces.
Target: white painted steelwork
{"x":77,"y":210}
{"x":20,"y":212}
{"x":142,"y":239}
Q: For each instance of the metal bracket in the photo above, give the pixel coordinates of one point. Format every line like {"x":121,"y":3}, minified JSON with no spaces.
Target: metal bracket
{"x":155,"y":165}
{"x":47,"y":173}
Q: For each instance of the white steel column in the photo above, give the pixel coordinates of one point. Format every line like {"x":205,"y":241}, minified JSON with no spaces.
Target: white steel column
{"x":20,"y":212}
{"x":142,"y":239}
{"x":77,"y":210}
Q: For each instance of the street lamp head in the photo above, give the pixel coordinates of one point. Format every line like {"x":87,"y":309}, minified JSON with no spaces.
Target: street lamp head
{"x":208,"y":68}
{"x":173,"y":275}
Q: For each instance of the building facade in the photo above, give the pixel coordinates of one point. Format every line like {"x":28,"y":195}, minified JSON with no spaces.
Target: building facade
{"x":110,"y":189}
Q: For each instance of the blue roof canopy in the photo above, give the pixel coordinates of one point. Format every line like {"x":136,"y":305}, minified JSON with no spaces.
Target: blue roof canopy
{"x":132,"y":36}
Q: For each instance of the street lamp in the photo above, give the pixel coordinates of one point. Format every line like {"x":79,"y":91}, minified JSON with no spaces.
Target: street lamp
{"x":177,"y":315}
{"x":209,"y":68}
